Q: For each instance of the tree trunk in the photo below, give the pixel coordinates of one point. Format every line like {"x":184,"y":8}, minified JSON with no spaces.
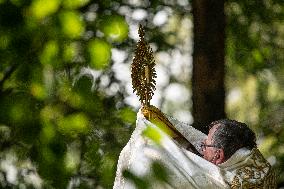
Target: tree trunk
{"x":208,"y":93}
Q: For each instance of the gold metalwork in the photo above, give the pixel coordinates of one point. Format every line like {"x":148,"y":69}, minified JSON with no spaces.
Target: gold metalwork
{"x":153,"y":114}
{"x":143,"y":73}
{"x":143,"y":76}
{"x":157,"y":117}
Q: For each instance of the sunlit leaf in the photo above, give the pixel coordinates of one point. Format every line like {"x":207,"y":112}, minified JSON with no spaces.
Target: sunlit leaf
{"x":257,"y":56}
{"x":100,"y":53}
{"x":72,"y":24}
{"x":42,"y":8}
{"x":127,"y":115}
{"x":115,"y":28}
{"x":50,"y":113}
{"x":153,"y":134}
{"x":69,"y":52}
{"x":72,"y":4}
{"x":70,"y":97}
{"x":48,"y":133}
{"x":38,"y":91}
{"x":74,"y":125}
{"x":50,"y":52}
{"x":72,"y":158}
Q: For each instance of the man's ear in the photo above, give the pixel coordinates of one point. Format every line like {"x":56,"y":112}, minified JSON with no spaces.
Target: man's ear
{"x":221,"y":157}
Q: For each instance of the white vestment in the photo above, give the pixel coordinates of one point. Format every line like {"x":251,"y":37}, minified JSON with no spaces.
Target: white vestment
{"x":185,"y":169}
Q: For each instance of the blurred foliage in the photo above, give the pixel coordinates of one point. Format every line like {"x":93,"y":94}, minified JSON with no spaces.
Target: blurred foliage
{"x":58,"y":129}
{"x":255,"y":73}
{"x":64,"y":116}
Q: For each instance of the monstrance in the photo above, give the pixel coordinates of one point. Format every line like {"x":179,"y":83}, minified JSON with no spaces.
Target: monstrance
{"x":143,"y":76}
{"x":143,"y":73}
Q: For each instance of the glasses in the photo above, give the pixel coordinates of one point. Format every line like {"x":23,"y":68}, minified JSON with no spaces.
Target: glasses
{"x":203,"y":146}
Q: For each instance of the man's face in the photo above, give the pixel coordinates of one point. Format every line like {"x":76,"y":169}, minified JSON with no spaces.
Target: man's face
{"x":209,"y":153}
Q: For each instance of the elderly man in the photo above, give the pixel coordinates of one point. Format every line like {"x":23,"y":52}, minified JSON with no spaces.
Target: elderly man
{"x":225,"y":138}
{"x":231,"y":145}
{"x":233,"y":160}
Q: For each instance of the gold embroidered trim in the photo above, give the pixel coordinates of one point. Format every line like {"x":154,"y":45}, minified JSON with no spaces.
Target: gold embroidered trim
{"x":259,"y":174}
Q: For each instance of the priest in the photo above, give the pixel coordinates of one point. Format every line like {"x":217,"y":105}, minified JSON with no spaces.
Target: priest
{"x":225,"y":158}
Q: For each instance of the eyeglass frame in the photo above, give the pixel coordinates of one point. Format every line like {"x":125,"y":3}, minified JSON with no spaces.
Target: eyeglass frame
{"x":203,"y":146}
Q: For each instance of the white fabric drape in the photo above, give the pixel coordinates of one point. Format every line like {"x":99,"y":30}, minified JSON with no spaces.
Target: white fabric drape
{"x":185,"y":169}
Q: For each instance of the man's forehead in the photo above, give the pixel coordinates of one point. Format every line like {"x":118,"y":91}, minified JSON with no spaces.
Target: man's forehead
{"x":212,"y":130}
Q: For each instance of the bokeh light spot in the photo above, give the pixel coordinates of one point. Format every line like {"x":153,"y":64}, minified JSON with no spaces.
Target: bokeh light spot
{"x":72,"y":4}
{"x":69,"y":52}
{"x":72,"y":98}
{"x":100,"y":53}
{"x":47,"y":133}
{"x":128,"y":115}
{"x":115,"y":28}
{"x":38,"y":91}
{"x":49,"y":114}
{"x":41,"y":8}
{"x":49,"y":53}
{"x":257,"y":56}
{"x":72,"y":158}
{"x":74,"y":124}
{"x":71,"y":23}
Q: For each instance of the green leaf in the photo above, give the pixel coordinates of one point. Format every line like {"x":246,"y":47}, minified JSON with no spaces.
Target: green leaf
{"x":153,"y":134}
{"x":127,"y":115}
{"x":73,"y":4}
{"x":100,"y":53}
{"x":74,"y":125}
{"x":49,"y":54}
{"x":160,"y":171}
{"x":72,"y":24}
{"x":42,"y":8}
{"x":115,"y":28}
{"x":141,"y":183}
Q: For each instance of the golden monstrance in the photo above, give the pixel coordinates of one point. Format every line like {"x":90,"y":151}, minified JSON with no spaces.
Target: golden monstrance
{"x":143,"y":76}
{"x":143,"y":73}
